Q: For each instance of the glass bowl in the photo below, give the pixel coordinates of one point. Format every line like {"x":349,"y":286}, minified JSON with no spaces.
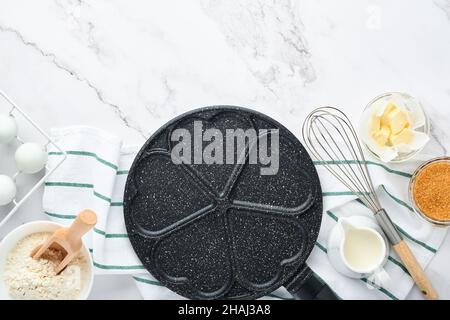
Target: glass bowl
{"x":412,"y":105}
{"x":440,"y":223}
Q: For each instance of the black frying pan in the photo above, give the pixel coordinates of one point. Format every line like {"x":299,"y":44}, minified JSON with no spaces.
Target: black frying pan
{"x":210,"y":231}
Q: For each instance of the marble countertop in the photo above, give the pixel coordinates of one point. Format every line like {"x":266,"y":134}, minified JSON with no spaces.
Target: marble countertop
{"x":129,"y":66}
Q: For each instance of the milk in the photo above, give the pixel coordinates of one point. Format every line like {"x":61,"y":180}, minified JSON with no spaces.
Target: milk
{"x":363,"y":249}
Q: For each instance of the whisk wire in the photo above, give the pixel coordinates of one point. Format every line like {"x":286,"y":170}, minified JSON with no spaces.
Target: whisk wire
{"x":347,"y":167}
{"x":323,"y":128}
{"x":360,"y":157}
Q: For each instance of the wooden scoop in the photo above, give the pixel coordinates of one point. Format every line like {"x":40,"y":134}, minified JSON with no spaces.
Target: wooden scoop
{"x":67,"y":240}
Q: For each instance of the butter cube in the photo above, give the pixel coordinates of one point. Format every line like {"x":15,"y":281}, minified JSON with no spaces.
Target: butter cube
{"x":375,"y":124}
{"x":395,"y":119}
{"x":388,"y":109}
{"x":381,"y":136}
{"x":384,"y":117}
{"x":404,"y":136}
{"x":398,"y":120}
{"x":390,"y":106}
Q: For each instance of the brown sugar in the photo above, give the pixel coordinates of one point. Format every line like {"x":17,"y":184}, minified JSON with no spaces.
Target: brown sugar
{"x":432,"y":191}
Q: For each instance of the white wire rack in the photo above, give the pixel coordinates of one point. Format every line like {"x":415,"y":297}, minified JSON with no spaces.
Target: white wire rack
{"x":13,"y":111}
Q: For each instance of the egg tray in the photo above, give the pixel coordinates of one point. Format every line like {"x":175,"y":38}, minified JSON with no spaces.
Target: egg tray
{"x":7,"y":211}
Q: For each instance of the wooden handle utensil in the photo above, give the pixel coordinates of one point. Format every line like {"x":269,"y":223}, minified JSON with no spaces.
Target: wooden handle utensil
{"x":406,"y":255}
{"x":415,"y":270}
{"x":67,"y":240}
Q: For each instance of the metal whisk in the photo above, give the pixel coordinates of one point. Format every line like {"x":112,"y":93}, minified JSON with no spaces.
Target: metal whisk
{"x":331,"y":138}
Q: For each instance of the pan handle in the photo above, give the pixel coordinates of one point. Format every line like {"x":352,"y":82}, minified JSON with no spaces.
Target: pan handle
{"x":306,"y":285}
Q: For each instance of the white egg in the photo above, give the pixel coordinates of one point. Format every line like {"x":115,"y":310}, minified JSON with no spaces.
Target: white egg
{"x":8,"y":128}
{"x":30,"y":158}
{"x":7,"y":190}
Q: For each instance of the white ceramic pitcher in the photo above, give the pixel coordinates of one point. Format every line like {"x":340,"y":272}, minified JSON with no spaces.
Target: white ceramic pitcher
{"x":357,"y":248}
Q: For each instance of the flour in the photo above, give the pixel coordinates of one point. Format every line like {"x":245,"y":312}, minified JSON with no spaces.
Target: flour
{"x":31,"y":279}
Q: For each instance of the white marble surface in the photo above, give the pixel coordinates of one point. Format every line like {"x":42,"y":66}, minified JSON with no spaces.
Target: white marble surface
{"x":130,"y":66}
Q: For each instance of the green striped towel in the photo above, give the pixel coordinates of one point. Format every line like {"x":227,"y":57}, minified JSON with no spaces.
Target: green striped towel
{"x":95,"y":173}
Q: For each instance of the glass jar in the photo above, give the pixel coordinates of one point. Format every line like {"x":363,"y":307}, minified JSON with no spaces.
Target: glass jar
{"x":419,"y":170}
{"x":413,"y":106}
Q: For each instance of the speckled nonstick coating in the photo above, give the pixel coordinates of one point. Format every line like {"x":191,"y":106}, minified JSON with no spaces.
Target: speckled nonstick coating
{"x":222,"y":231}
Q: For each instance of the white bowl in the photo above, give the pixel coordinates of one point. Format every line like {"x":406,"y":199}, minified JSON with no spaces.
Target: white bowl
{"x":9,"y":242}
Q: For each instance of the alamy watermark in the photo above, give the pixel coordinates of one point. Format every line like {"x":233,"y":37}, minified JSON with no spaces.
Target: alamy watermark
{"x":213,"y":146}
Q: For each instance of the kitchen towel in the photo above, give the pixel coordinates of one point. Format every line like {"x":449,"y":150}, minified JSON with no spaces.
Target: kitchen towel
{"x":94,"y":175}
